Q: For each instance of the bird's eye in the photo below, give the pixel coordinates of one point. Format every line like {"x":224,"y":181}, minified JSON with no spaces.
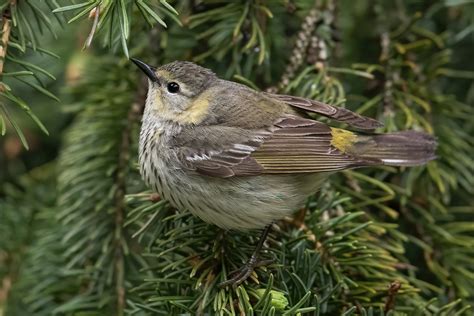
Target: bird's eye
{"x":173,"y":87}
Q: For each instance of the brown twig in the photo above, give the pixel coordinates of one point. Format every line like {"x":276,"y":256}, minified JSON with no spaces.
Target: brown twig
{"x":124,"y":158}
{"x":392,"y":294}
{"x":6,"y":30}
{"x":95,"y":13}
{"x":119,"y":217}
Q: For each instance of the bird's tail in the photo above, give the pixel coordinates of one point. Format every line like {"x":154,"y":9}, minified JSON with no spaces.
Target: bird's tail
{"x":407,"y":148}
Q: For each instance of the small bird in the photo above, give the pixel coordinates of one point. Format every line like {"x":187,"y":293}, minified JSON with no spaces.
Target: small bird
{"x":242,"y":159}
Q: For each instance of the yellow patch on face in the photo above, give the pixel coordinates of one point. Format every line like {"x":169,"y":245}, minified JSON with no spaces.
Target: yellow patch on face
{"x":193,"y":114}
{"x":196,"y":112}
{"x":159,"y":106}
{"x":342,"y":139}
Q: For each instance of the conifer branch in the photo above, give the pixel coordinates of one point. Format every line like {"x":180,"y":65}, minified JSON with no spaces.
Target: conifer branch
{"x":18,"y":21}
{"x":119,"y":216}
{"x":364,"y":229}
{"x":114,"y":17}
{"x":120,"y":205}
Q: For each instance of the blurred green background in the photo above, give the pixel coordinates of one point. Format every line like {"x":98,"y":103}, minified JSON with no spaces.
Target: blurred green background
{"x":79,"y":235}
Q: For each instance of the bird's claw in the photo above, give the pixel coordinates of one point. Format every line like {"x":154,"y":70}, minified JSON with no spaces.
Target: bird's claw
{"x":244,"y":272}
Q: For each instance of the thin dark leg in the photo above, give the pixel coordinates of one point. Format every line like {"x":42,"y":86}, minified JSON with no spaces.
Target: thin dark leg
{"x":246,"y":270}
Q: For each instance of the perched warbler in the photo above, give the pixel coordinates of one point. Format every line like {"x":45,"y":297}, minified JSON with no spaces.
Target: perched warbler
{"x":240,"y":158}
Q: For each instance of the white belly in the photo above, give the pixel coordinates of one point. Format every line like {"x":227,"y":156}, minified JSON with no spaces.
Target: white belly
{"x":231,"y":203}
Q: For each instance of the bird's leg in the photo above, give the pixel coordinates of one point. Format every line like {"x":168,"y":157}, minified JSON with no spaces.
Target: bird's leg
{"x":246,"y":270}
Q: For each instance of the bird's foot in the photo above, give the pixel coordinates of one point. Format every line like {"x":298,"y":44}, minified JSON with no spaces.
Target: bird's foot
{"x":244,"y":272}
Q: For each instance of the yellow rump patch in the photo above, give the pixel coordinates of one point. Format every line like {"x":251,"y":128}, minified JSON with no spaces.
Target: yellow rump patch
{"x":342,"y":139}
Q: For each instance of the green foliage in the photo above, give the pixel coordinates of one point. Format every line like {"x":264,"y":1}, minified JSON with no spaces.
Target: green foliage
{"x":91,"y":211}
{"x":23,"y":23}
{"x":114,"y":17}
{"x":237,"y":27}
{"x":30,"y":255}
{"x":383,"y":241}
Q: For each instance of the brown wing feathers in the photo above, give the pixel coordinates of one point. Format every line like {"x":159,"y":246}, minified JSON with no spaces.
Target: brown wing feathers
{"x":405,"y":148}
{"x":292,"y":145}
{"x":234,"y":161}
{"x":295,"y":144}
{"x":302,"y":145}
{"x":340,"y":114}
{"x":231,"y":160}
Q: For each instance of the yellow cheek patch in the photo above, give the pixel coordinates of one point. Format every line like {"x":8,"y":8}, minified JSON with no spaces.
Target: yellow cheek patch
{"x":342,"y":139}
{"x":196,"y":112}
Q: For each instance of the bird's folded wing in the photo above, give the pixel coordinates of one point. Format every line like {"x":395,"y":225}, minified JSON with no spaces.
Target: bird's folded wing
{"x":230,"y":160}
{"x":292,"y":145}
{"x":337,"y":113}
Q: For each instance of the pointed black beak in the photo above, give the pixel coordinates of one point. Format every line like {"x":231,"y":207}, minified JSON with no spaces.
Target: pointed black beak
{"x":147,"y":69}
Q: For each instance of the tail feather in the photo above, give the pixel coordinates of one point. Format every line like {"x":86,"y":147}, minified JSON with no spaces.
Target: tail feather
{"x":407,"y":148}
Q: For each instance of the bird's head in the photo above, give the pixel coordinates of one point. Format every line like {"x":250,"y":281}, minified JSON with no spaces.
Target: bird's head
{"x":176,"y":91}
